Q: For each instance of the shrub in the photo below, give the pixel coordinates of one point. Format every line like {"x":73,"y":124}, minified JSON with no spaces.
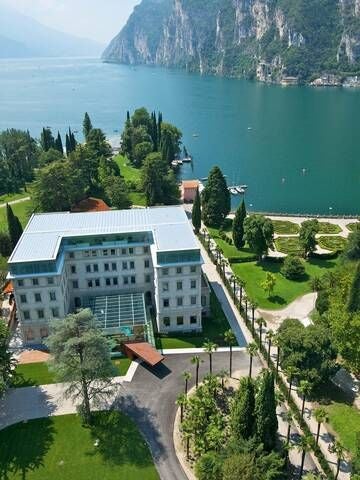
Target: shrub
{"x":322,"y":302}
{"x":208,"y":467}
{"x":293,"y":268}
{"x":5,"y":244}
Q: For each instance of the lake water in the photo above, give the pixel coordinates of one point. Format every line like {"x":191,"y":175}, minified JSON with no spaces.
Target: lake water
{"x":298,"y":149}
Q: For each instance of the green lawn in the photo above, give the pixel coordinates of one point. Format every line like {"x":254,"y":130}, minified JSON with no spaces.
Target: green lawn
{"x":288,"y":245}
{"x":352,"y":226}
{"x":326,"y":227}
{"x":230,"y":251}
{"x":214,"y":328}
{"x":31,"y":374}
{"x":22,"y":210}
{"x":286,"y":291}
{"x":334,"y":244}
{"x":131,"y":174}
{"x":284,"y":227}
{"x":10,"y":197}
{"x":59,"y":448}
{"x":345,"y":421}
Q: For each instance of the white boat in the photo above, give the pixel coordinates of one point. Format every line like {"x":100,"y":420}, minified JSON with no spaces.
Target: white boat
{"x":187,"y":159}
{"x":240,"y":190}
{"x":244,"y":187}
{"x":233,"y":191}
{"x":195,"y":135}
{"x":176,"y":163}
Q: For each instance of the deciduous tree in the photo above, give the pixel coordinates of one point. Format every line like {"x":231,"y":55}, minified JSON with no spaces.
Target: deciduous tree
{"x":307,"y":236}
{"x":259,"y":234}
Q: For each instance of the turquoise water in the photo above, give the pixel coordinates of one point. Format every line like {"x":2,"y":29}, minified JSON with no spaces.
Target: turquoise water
{"x":298,"y":148}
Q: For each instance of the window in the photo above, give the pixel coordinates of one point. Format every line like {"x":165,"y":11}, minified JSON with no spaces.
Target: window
{"x":131,"y":251}
{"x":193,"y":319}
{"x":77,"y":301}
{"x":90,"y":283}
{"x":73,"y":269}
{"x":94,"y":253}
{"x":178,"y":270}
{"x":146,"y":249}
{"x":193,"y":269}
{"x":35,"y":281}
{"x":20,"y":283}
{"x":165,"y":286}
{"x":44,"y":333}
{"x":123,"y":251}
{"x":37,"y":297}
{"x":165,"y":271}
{"x":179,"y":301}
{"x":113,"y":252}
{"x":166,"y":321}
{"x":166,"y":302}
{"x":26,"y":314}
{"x":203,"y":301}
{"x":180,"y":320}
{"x":113,"y":267}
{"x":88,"y":268}
{"x":55,"y":312}
{"x":107,"y":282}
{"x":147,"y":278}
{"x":52,"y":296}
{"x":115,"y":281}
{"x":40,"y":314}
{"x":50,"y":280}
{"x":179,"y":285}
{"x":193,"y":300}
{"x":146,"y":263}
{"x":126,"y":280}
{"x":86,"y":253}
{"x":106,"y":267}
{"x":71,"y":255}
{"x":133,"y":280}
{"x":97,"y":282}
{"x":105,"y":253}
{"x":132,"y":265}
{"x":75,"y":284}
{"x":124,"y":265}
{"x":23,"y":298}
{"x":193,"y":284}
{"x":96,"y":267}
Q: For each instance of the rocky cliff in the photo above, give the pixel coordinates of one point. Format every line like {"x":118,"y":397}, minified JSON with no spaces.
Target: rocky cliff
{"x":273,"y":40}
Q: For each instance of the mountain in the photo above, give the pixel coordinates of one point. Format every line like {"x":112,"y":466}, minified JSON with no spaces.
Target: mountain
{"x":272,"y":40}
{"x":22,"y":36}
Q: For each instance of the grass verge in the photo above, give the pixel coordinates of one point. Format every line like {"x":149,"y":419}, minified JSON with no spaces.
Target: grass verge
{"x":23,"y":210}
{"x":288,"y":245}
{"x":285,"y":227}
{"x":131,"y":175}
{"x":345,"y":421}
{"x":353,"y":226}
{"x":334,"y":244}
{"x":327,"y":227}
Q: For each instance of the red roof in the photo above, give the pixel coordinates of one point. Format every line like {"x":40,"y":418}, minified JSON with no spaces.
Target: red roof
{"x":144,"y":351}
{"x":9,"y":288}
{"x":190,"y":183}
{"x":90,"y":205}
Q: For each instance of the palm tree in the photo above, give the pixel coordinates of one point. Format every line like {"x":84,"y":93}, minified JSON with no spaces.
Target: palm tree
{"x":224,"y":264}
{"x":241,"y":284}
{"x":210,"y":347}
{"x":181,"y":402}
{"x":253,"y":305}
{"x":230,"y":340}
{"x":195,"y":360}
{"x":270,"y":335}
{"x":291,"y":373}
{"x":233,"y":280}
{"x":261,"y":323}
{"x":252,"y":350}
{"x":321,"y":416}
{"x":304,"y":446}
{"x":246,"y":307}
{"x":304,"y":389}
{"x":289,"y":419}
{"x":186,"y":376}
{"x":276,"y":342}
{"x":187,"y":437}
{"x":218,"y":254}
{"x":288,"y":447}
{"x":339,"y":450}
{"x":222,"y":375}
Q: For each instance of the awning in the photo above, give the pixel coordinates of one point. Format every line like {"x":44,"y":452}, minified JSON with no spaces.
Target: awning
{"x":144,"y":351}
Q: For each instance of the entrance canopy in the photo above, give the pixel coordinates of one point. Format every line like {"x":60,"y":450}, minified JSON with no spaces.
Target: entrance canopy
{"x":119,"y":313}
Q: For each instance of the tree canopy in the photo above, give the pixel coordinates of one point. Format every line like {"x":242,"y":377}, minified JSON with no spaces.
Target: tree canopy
{"x":259,"y":234}
{"x":158,"y":181}
{"x":307,"y":236}
{"x":215,"y":199}
{"x":238,"y":226}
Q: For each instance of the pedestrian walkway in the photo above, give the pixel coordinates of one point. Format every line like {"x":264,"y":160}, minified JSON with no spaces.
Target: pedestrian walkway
{"x":14,"y":202}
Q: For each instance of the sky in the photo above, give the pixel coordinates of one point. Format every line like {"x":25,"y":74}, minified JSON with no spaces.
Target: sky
{"x":99,"y":20}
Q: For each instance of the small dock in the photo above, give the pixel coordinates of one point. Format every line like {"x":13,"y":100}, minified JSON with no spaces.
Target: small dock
{"x":237,"y":189}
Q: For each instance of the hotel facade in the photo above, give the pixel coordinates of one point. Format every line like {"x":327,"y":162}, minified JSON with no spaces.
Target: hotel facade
{"x":126,"y":265}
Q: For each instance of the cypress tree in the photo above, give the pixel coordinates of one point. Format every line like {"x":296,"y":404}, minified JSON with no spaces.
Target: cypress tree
{"x":58,"y":144}
{"x":159,"y":128}
{"x":14,"y":226}
{"x":215,"y":199}
{"x":265,"y":412}
{"x":242,"y":412}
{"x":87,"y":126}
{"x":167,"y":149}
{"x":128,"y":116}
{"x":154,"y":131}
{"x":238,"y":226}
{"x":354,"y":298}
{"x":47,"y":140}
{"x":67,"y":145}
{"x":196,"y":212}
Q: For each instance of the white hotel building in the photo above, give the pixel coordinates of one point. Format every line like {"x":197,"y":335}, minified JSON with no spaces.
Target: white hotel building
{"x":120,"y":263}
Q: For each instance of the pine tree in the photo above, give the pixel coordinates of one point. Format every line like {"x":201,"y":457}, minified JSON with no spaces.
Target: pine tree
{"x":242,"y":412}
{"x":196,"y":212}
{"x":58,"y":144}
{"x":354,"y":299}
{"x":238,"y":226}
{"x":215,"y":199}
{"x":265,"y":412}
{"x":87,"y":125}
{"x":14,"y":226}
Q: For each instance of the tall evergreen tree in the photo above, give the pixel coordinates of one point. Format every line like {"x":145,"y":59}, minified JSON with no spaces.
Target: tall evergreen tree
{"x":167,"y":148}
{"x":47,"y":140}
{"x":72,"y":140}
{"x":215,"y":199}
{"x":265,"y":412}
{"x":159,"y":122}
{"x":242,"y":412}
{"x":67,"y":145}
{"x":354,"y":299}
{"x":14,"y":226}
{"x":128,"y":116}
{"x":196,"y":212}
{"x":59,"y":144}
{"x":154,"y":132}
{"x":238,"y":226}
{"x":87,"y":126}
